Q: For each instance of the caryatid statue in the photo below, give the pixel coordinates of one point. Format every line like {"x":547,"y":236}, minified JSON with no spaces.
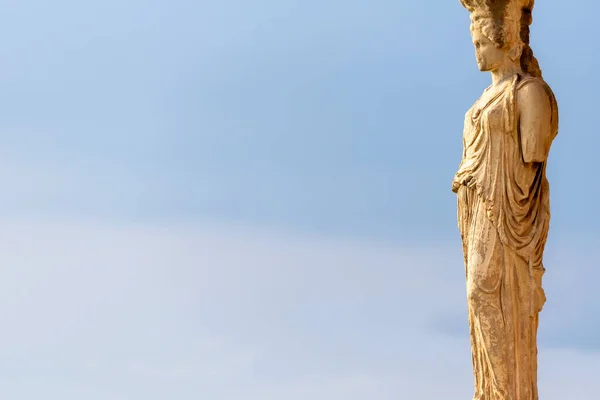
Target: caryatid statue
{"x":503,"y":200}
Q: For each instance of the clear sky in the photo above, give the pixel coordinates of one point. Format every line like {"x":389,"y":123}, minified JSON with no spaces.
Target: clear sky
{"x":251,"y":200}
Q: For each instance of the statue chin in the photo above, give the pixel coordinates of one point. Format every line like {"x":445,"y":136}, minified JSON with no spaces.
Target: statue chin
{"x":482,"y":67}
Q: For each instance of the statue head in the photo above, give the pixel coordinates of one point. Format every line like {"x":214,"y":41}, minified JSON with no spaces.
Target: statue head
{"x":500,"y":31}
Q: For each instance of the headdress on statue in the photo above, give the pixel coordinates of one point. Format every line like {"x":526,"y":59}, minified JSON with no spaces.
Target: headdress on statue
{"x":513,"y":15}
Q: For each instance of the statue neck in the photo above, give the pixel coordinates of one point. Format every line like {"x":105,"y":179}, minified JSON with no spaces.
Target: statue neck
{"x":501,"y":75}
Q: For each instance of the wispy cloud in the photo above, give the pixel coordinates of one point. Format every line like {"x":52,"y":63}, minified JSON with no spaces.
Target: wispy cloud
{"x":147,"y":311}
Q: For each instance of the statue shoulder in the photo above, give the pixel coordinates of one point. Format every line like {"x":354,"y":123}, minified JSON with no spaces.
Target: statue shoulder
{"x":534,"y":90}
{"x":535,"y":93}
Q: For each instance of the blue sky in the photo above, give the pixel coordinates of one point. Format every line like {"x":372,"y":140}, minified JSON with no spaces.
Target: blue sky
{"x":251,"y":200}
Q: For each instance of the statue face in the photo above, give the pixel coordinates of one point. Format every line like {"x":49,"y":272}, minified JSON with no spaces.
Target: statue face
{"x":489,"y":56}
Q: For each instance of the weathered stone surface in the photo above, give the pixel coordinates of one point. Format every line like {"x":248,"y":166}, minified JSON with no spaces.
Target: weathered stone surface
{"x":503,"y":201}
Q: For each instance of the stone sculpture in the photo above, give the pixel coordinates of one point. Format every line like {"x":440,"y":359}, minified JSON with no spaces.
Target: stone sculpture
{"x":503,"y":200}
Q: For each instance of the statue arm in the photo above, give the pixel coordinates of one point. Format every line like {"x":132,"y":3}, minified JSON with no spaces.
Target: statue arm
{"x":535,"y":122}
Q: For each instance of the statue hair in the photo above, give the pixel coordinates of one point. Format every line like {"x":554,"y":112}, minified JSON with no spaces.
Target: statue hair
{"x":529,"y":63}
{"x":493,"y":15}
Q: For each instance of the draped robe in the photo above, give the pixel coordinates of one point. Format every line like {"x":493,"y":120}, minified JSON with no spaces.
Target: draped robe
{"x":503,"y":218}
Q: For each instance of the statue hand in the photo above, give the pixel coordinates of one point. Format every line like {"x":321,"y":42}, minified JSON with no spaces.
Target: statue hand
{"x":468,"y":182}
{"x":455,"y":186}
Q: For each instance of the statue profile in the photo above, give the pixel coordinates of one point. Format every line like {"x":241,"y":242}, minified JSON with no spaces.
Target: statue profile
{"x":503,"y":200}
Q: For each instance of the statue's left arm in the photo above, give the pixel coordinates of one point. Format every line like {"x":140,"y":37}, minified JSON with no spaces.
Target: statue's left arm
{"x":535,"y":121}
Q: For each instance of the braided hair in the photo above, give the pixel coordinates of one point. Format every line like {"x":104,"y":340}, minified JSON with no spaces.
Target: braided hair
{"x":529,"y":64}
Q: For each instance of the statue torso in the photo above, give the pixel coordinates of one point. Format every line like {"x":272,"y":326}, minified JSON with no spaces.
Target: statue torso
{"x":515,"y":193}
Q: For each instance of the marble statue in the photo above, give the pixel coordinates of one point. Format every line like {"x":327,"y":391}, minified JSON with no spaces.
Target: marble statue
{"x":503,"y":201}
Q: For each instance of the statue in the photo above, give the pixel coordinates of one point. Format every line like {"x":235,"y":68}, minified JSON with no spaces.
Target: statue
{"x":503,"y":201}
